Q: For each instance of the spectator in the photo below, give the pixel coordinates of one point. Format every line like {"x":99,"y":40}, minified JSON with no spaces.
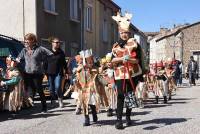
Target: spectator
{"x":192,"y":70}
{"x":55,"y":67}
{"x":34,"y":56}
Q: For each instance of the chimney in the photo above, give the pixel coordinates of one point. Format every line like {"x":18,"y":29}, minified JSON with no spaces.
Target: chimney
{"x":163,"y":30}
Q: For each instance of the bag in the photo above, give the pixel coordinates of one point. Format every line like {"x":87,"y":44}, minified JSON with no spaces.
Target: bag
{"x":130,"y":100}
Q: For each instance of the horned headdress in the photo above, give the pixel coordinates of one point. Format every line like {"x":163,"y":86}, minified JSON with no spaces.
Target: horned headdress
{"x":123,"y":21}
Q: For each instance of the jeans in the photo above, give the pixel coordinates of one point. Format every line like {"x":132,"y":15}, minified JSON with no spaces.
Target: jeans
{"x":55,"y":86}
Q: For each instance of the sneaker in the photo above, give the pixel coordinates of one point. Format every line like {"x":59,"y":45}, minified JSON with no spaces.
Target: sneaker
{"x":60,"y":101}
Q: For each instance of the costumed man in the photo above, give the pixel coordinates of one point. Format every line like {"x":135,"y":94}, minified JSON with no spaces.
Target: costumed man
{"x":129,"y":66}
{"x":11,"y":79}
{"x":86,"y":75}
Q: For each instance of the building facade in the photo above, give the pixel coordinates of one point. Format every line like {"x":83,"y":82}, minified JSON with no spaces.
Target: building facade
{"x":101,"y":31}
{"x":45,"y":18}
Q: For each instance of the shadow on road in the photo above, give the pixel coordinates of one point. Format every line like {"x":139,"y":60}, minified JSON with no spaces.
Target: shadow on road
{"x":155,"y":123}
{"x":31,"y":113}
{"x":155,"y":105}
{"x":160,"y":122}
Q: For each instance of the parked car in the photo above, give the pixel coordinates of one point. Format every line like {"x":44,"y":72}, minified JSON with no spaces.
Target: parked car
{"x":9,"y":46}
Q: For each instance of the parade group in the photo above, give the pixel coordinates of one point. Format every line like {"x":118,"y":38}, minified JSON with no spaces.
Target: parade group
{"x":121,"y":79}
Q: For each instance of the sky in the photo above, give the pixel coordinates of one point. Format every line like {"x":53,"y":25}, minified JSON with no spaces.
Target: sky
{"x":151,"y":15}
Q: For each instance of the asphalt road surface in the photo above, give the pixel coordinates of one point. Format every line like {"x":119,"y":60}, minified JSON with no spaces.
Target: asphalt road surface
{"x":180,"y":116}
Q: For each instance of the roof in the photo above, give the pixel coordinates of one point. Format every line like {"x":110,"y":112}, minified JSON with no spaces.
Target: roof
{"x":175,"y":31}
{"x":151,"y":33}
{"x":111,"y":4}
{"x":137,"y":30}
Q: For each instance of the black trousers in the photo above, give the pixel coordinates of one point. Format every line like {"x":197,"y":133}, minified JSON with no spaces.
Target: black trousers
{"x":192,"y":77}
{"x":120,"y":97}
{"x":33,"y":82}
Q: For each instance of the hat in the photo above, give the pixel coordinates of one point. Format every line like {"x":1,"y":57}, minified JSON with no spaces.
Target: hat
{"x":169,"y":61}
{"x":123,"y":21}
{"x":108,"y":57}
{"x":85,"y":54}
{"x":160,"y":64}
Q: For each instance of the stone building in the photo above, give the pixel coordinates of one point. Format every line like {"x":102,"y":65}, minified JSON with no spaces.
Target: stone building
{"x":180,"y":43}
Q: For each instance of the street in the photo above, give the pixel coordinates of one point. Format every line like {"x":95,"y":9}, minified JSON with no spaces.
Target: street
{"x":180,"y":116}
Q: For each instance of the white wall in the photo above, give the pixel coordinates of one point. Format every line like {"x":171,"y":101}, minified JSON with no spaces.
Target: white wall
{"x":11,"y":17}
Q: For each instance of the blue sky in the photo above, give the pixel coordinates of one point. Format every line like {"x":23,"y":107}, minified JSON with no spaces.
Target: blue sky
{"x":150,"y":15}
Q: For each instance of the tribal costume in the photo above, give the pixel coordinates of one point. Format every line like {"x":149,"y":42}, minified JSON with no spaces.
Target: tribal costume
{"x":91,"y":90}
{"x":13,"y":82}
{"x":129,"y":66}
{"x":161,"y":83}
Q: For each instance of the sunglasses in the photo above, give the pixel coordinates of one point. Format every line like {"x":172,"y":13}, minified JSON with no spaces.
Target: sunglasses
{"x":57,"y":42}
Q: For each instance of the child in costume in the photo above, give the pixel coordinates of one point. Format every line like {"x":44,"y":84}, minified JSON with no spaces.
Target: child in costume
{"x":12,"y":80}
{"x":161,"y":84}
{"x":170,"y":75}
{"x":110,"y":87}
{"x":86,"y":74}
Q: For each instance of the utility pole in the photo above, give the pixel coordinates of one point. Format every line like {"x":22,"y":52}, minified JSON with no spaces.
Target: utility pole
{"x":23,"y":18}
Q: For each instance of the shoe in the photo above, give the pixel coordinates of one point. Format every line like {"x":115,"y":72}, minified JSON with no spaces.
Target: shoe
{"x":78,"y":111}
{"x":60,"y":101}
{"x":128,"y":121}
{"x":141,"y":104}
{"x":87,"y":121}
{"x":170,"y":97}
{"x":110,"y":113}
{"x":94,"y":113}
{"x":44,"y":110}
{"x":119,"y":124}
{"x":53,"y":103}
{"x":157,"y":99}
{"x":165,"y":99}
{"x":95,"y":118}
{"x":31,"y":102}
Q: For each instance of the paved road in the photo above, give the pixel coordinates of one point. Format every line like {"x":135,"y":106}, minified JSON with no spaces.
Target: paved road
{"x":180,"y":116}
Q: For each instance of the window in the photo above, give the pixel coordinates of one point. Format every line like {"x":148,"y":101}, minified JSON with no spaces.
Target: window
{"x":49,"y":5}
{"x":74,"y":9}
{"x":89,"y":18}
{"x":105,"y":31}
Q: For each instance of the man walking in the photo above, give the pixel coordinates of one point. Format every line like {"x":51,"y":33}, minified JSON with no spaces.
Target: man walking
{"x":192,"y":70}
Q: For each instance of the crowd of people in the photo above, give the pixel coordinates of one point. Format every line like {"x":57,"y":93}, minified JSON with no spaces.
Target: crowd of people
{"x":121,"y":79}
